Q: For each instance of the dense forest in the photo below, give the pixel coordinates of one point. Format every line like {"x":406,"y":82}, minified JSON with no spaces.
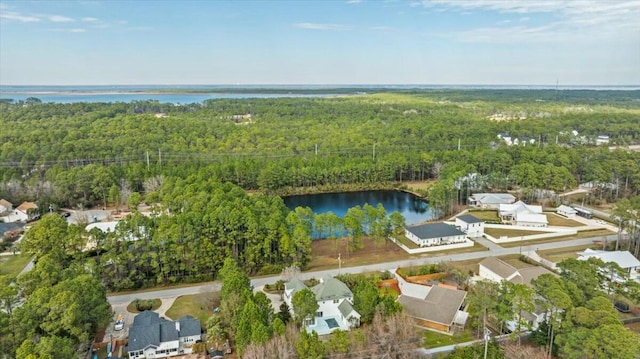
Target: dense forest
{"x":210,"y":174}
{"x":72,"y":154}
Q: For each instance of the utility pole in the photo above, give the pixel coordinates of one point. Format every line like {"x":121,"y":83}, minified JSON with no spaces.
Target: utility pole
{"x":159,"y":157}
{"x":339,"y":263}
{"x":374,"y":151}
{"x":148,"y":165}
{"x":458,"y":144}
{"x":316,"y":149}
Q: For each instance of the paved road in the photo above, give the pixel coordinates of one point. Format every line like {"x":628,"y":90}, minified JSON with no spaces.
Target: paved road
{"x":430,"y":259}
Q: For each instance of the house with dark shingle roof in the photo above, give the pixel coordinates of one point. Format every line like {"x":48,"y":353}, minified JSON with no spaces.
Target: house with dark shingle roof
{"x":434,"y":234}
{"x":151,"y":336}
{"x":471,"y":225}
{"x":335,"y":305}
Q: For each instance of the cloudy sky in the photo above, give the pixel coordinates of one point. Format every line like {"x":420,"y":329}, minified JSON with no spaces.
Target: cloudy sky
{"x":536,"y":42}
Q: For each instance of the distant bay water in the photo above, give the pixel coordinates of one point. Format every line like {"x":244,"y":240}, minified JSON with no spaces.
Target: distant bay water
{"x":183,"y":94}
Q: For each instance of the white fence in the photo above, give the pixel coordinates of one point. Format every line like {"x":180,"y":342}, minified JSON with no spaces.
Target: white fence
{"x":550,"y":233}
{"x":467,"y":243}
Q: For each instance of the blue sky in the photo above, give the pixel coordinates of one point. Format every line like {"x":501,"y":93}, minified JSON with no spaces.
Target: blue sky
{"x":535,"y":42}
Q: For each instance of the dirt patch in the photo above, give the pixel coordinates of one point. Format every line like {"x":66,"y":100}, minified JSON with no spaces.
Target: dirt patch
{"x":325,"y":252}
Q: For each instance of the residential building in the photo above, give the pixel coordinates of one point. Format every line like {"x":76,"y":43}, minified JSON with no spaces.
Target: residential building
{"x":566,"y":211}
{"x":335,"y":305}
{"x":434,"y":234}
{"x":624,"y":259}
{"x":25,"y":212}
{"x":497,"y":270}
{"x":438,"y":308}
{"x":602,"y":140}
{"x":151,"y":336}
{"x":5,"y":206}
{"x":522,"y":214}
{"x":490,"y":200}
{"x":472,"y":226}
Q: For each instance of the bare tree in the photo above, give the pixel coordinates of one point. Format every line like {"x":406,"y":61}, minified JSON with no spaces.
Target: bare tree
{"x":290,"y":272}
{"x":153,"y":184}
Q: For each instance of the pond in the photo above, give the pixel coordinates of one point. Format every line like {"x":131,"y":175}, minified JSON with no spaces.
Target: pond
{"x":411,"y":207}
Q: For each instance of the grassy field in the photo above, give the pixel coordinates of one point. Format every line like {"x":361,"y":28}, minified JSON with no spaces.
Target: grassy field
{"x":131,"y":308}
{"x":514,"y":260}
{"x":434,"y":340}
{"x":487,"y":216}
{"x":13,"y":265}
{"x":559,"y":221}
{"x":560,"y":254}
{"x":581,"y":234}
{"x":499,"y":232}
{"x":407,"y":242}
{"x":324,"y":254}
{"x":199,"y":306}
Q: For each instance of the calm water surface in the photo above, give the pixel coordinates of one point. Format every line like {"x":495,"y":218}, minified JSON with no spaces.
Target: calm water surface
{"x":411,"y":207}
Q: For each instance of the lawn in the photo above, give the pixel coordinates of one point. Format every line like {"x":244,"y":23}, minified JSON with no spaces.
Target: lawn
{"x":434,"y":340}
{"x":407,"y":242}
{"x":514,"y":260}
{"x":199,"y":306}
{"x":499,"y":232}
{"x":581,"y":234}
{"x":324,"y":254}
{"x":13,"y":265}
{"x":559,"y":221}
{"x":559,"y":254}
{"x":156,"y":303}
{"x":487,"y":216}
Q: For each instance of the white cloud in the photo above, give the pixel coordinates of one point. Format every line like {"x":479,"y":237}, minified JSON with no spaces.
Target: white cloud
{"x":570,"y":20}
{"x":16,"y":16}
{"x":59,"y":18}
{"x":89,"y":19}
{"x":75,"y":30}
{"x":316,"y":26}
{"x":354,"y":1}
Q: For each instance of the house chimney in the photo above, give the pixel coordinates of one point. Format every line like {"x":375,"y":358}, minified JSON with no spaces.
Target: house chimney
{"x":178,"y":326}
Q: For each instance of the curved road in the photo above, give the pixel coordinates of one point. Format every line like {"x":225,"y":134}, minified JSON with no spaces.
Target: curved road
{"x":123,"y":299}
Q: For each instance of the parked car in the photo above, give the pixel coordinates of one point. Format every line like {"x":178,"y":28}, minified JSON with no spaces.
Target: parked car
{"x":622,"y":306}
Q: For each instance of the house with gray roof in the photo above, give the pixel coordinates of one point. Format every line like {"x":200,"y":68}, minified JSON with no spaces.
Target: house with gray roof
{"x":151,"y":336}
{"x":490,"y":200}
{"x":335,"y":305}
{"x":434,"y":234}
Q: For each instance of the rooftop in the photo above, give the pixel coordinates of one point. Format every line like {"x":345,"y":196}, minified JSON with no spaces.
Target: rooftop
{"x":469,"y":218}
{"x":434,"y":230}
{"x":441,"y":305}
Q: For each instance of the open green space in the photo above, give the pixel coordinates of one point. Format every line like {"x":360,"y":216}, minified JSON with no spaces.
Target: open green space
{"x":559,"y":221}
{"x":407,"y":242}
{"x":434,"y":340}
{"x":514,"y":260}
{"x":14,"y":264}
{"x":511,"y":233}
{"x":559,"y":254}
{"x":486,"y":215}
{"x":144,"y":304}
{"x":199,"y":306}
{"x":580,"y":234}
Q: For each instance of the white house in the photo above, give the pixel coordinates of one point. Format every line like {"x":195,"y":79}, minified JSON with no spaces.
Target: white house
{"x":5,"y":206}
{"x":335,"y":305}
{"x":522,"y":214}
{"x":566,"y":211}
{"x":434,"y":234}
{"x":490,"y":200}
{"x":153,"y":337}
{"x":24,"y":212}
{"x":624,"y":259}
{"x":602,"y":140}
{"x":470,"y":225}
